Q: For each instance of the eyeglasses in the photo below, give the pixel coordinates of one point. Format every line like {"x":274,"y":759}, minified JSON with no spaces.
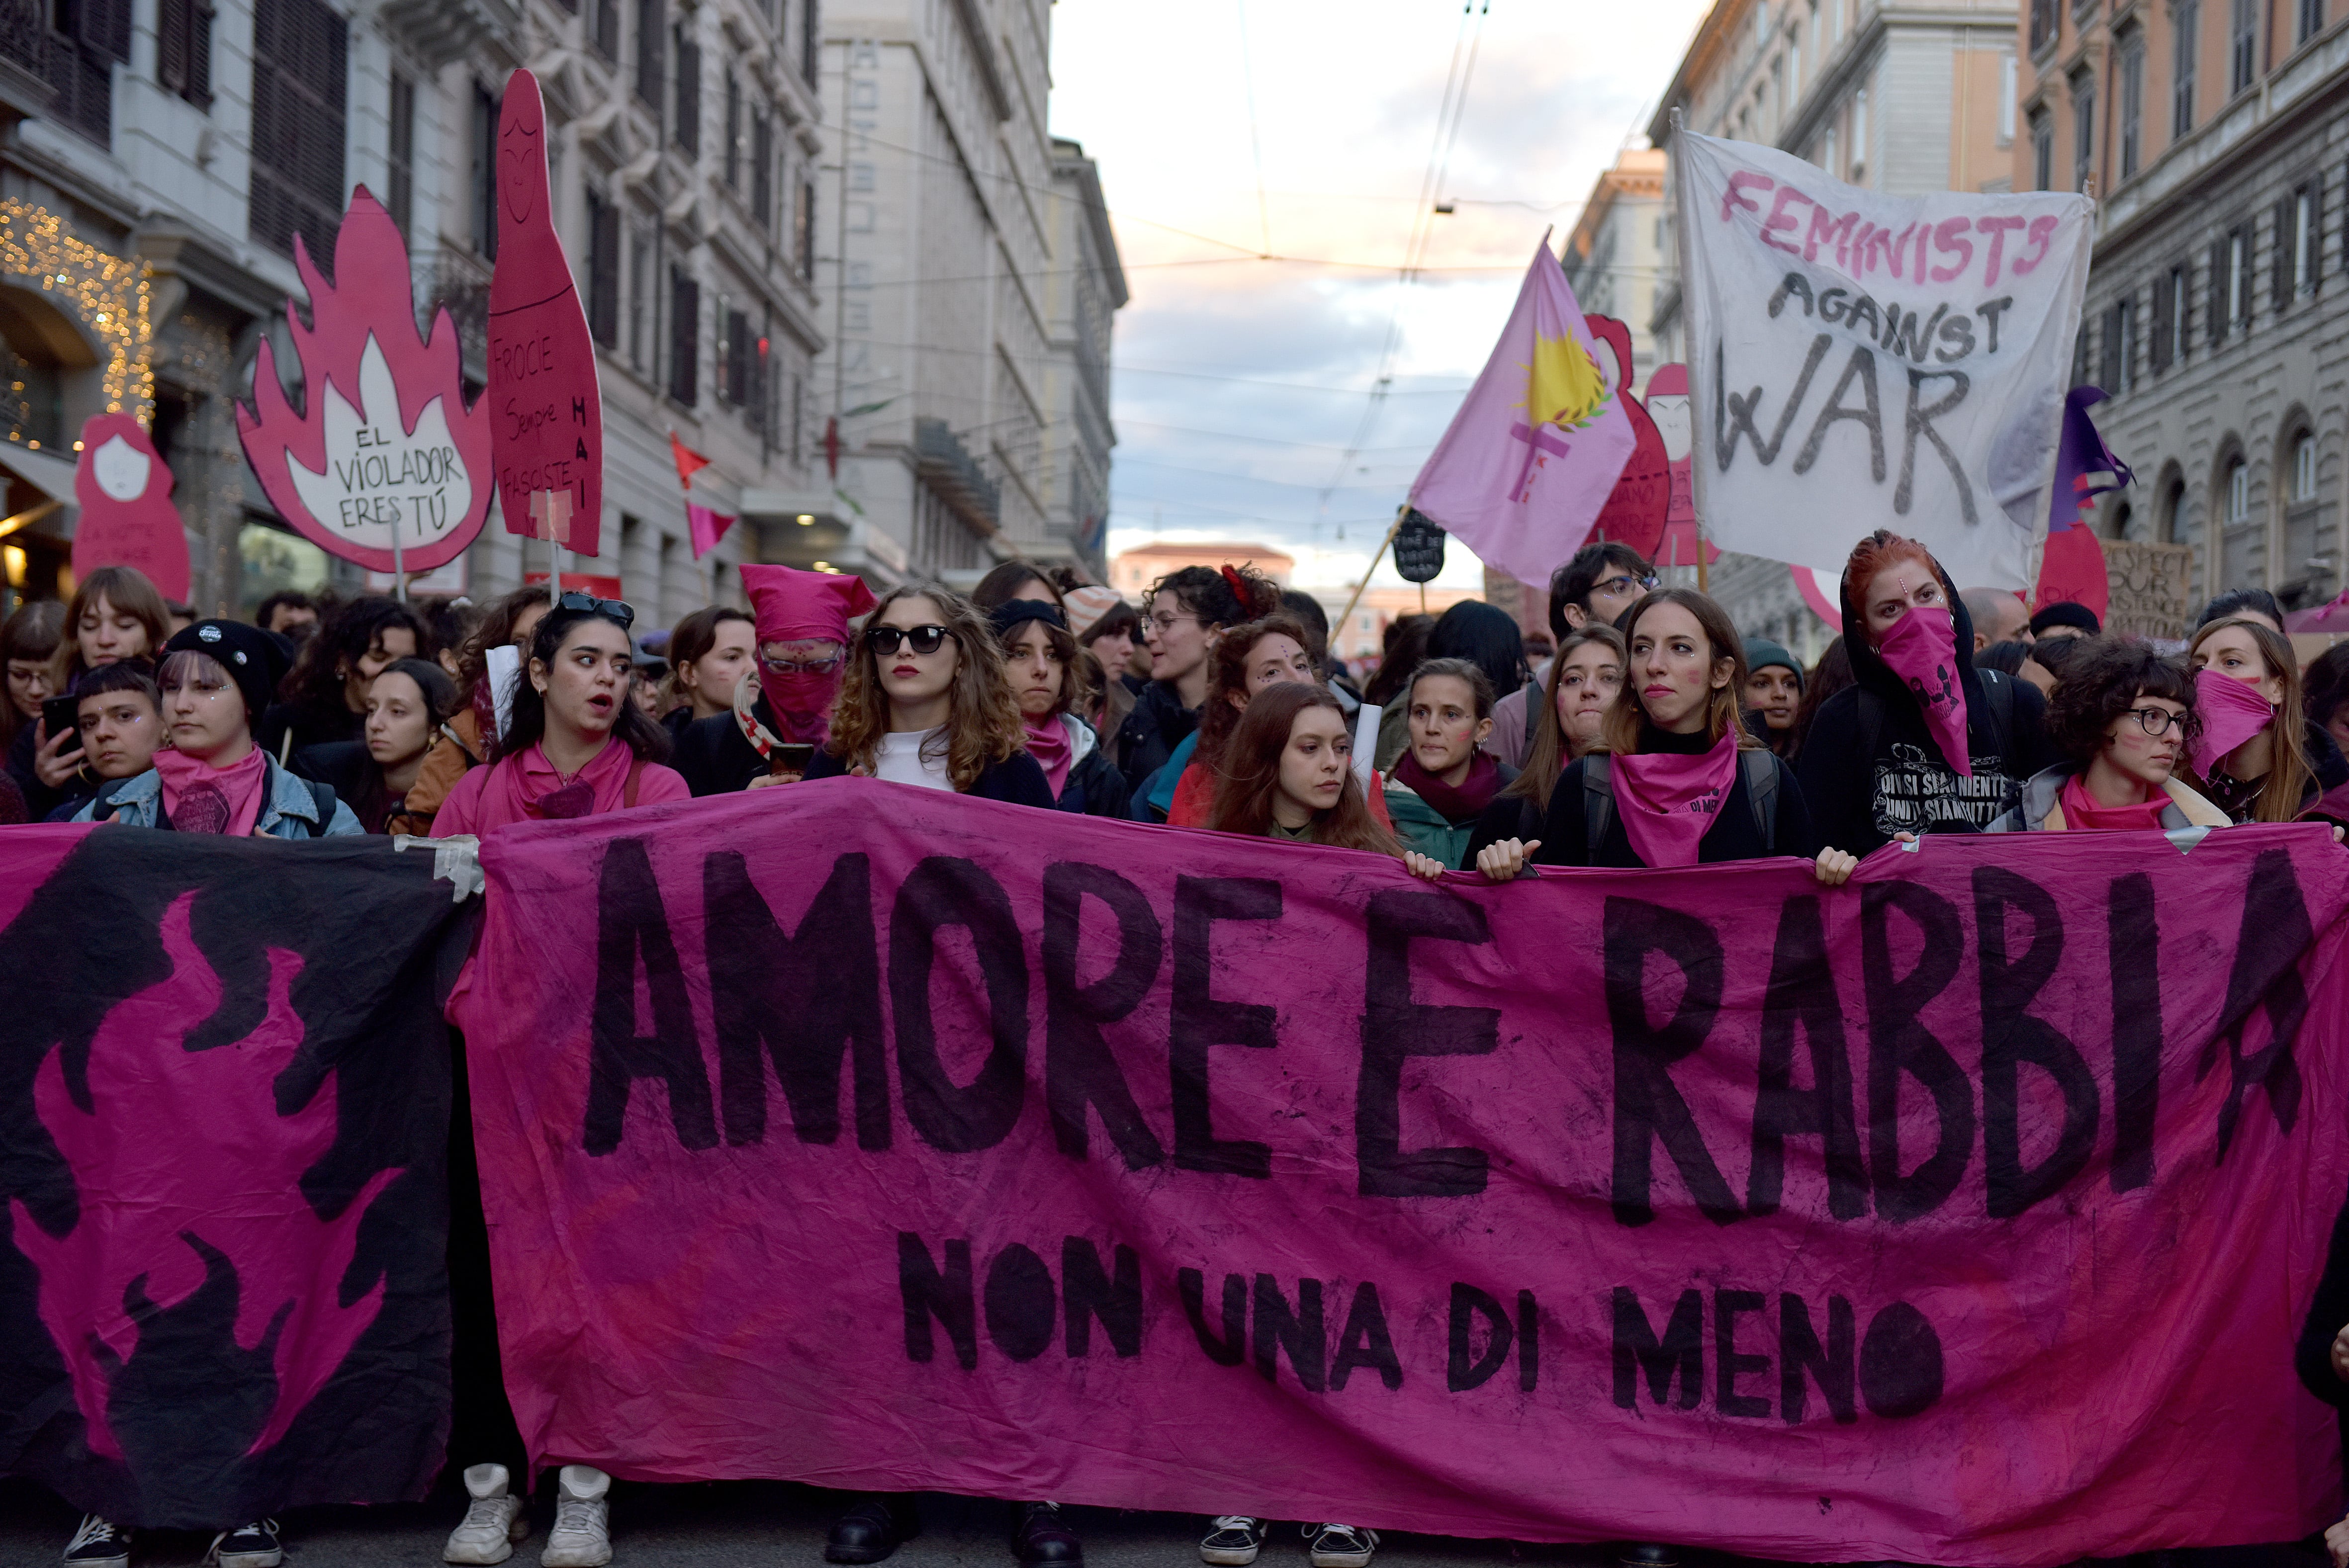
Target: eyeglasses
{"x":823,"y":666}
{"x":2158,"y":721}
{"x":1617,"y":586}
{"x":624,"y":614}
{"x":923,"y":639}
{"x":1168,"y":623}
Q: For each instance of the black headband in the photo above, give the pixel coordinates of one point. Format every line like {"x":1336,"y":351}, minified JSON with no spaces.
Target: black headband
{"x":1009,"y":614}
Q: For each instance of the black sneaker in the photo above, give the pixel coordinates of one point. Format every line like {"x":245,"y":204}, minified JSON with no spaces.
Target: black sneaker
{"x":1040,"y":1538}
{"x":1341,"y":1545}
{"x":251,"y":1545}
{"x":875,"y":1524}
{"x":1232,"y":1540}
{"x":98,"y":1543}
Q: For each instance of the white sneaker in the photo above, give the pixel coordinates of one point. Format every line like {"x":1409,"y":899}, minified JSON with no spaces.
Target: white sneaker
{"x":494,"y":1520}
{"x":98,"y":1543}
{"x":582,"y":1536}
{"x":1232,"y":1540}
{"x":1341,"y":1545}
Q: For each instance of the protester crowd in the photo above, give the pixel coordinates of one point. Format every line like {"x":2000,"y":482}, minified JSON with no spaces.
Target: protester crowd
{"x":1639,"y":730}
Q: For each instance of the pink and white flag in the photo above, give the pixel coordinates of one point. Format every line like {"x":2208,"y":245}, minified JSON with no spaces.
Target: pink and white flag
{"x":1539,"y":442}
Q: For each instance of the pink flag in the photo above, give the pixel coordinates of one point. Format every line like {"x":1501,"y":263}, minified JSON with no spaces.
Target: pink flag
{"x":705,"y":527}
{"x":1536,"y":448}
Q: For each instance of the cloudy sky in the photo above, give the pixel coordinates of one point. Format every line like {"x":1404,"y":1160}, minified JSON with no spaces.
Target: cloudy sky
{"x":1240,"y":383}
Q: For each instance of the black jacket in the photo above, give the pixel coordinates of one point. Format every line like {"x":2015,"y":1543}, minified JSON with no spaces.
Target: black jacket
{"x":40,"y":801}
{"x":716,"y":758}
{"x":1508,"y":817}
{"x":1158,"y":724}
{"x":309,"y":726}
{"x":1734,"y":835}
{"x":1016,"y":779}
{"x":1861,"y":794}
{"x":1094,"y":787}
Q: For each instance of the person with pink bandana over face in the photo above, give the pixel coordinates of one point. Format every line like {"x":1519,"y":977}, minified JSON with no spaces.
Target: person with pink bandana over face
{"x":786,"y":701}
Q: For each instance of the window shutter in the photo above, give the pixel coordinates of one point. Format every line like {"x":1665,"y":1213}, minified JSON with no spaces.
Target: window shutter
{"x":2316,"y":278}
{"x":105,"y":27}
{"x":650,"y":24}
{"x":762,"y":173}
{"x":2279,"y":279}
{"x":2162,"y":305}
{"x":171,"y":45}
{"x":685,"y":337}
{"x":603,"y":270}
{"x":2108,"y":358}
{"x":2218,"y":320}
{"x":688,"y":94}
{"x":199,"y":90}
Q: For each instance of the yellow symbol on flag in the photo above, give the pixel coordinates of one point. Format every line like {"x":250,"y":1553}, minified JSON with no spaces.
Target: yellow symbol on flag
{"x":1563,"y":386}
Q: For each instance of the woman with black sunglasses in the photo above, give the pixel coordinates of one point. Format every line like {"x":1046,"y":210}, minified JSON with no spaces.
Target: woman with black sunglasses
{"x":925,"y":701}
{"x":575,"y":745}
{"x":2124,"y":718}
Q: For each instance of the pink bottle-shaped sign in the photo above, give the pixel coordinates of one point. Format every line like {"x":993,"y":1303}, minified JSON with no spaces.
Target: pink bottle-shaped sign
{"x":547,"y":413}
{"x":127,"y":516}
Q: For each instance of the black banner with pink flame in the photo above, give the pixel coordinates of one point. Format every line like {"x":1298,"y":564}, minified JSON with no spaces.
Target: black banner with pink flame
{"x":224,"y":1103}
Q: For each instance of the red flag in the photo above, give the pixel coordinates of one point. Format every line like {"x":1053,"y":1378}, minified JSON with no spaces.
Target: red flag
{"x":2073,"y":566}
{"x":688,"y":462}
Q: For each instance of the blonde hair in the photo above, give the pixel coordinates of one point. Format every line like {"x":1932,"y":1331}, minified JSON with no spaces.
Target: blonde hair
{"x":983,"y":724}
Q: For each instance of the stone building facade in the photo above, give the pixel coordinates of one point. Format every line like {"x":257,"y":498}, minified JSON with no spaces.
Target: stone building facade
{"x":2216,"y":140}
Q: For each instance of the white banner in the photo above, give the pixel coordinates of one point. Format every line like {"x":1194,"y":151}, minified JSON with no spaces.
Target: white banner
{"x":1864,"y":361}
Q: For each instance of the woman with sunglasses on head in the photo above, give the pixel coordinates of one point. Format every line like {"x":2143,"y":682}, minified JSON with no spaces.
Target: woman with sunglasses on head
{"x":1046,"y":672}
{"x":575,"y":745}
{"x":2122,"y":718}
{"x":2250,"y":758}
{"x":1187,"y":614}
{"x":782,"y":706}
{"x":924,"y":701}
{"x":1584,"y":676}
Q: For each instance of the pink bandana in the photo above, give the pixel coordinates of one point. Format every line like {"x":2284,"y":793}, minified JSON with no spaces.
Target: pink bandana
{"x":201,"y":798}
{"x":1049,"y":744}
{"x":1667,"y":800}
{"x":2232,"y":711}
{"x":1921,"y":649}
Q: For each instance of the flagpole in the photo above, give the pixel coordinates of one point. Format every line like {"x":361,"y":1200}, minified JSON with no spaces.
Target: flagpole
{"x":1699,"y":556}
{"x":1347,"y":613}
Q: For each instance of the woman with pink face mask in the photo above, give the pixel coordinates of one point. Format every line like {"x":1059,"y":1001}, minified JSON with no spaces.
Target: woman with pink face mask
{"x":2251,"y":758}
{"x":1921,"y":742}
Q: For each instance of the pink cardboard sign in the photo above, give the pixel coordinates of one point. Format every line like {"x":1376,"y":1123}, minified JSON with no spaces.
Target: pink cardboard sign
{"x":549,"y":429}
{"x":1635,"y":510}
{"x":127,"y":516}
{"x":385,"y":449}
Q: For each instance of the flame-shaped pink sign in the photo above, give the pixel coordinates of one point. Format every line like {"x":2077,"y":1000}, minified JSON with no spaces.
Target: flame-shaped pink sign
{"x":386,"y":448}
{"x":548,"y":429}
{"x":161,"y":1219}
{"x":127,"y":516}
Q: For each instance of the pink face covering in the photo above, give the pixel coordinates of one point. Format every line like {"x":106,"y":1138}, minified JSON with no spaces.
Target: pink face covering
{"x":201,"y":798}
{"x":1667,"y":800}
{"x":2232,"y":711}
{"x":1922,"y":650}
{"x":801,"y":702}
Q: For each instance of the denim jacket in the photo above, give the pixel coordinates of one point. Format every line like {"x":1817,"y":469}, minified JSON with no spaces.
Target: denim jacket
{"x":288,"y":808}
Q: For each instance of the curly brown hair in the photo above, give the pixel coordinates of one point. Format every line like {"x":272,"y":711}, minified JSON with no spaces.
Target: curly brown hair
{"x":1250,"y":776}
{"x":982,"y":726}
{"x":2102,"y":680}
{"x":1227,"y":680}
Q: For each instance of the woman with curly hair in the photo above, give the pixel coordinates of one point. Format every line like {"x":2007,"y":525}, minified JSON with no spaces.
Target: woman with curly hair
{"x":1189,"y":612}
{"x":925,"y":701}
{"x":2124,"y":719}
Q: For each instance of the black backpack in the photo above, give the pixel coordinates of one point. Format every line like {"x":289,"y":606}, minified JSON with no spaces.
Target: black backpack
{"x":1763,"y":770}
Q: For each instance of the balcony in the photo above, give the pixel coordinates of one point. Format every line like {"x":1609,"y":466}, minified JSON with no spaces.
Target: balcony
{"x":441,"y":31}
{"x":946,"y":465}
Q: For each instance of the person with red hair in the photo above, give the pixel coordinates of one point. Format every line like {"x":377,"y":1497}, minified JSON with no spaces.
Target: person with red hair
{"x":1922,"y":742}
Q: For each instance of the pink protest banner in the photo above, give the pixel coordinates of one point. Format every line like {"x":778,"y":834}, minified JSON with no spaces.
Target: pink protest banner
{"x":1967,"y":1215}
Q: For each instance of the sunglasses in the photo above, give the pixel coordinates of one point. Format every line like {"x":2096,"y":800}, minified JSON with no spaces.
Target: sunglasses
{"x":1616,"y":587}
{"x":618,"y":611}
{"x":887,"y":640}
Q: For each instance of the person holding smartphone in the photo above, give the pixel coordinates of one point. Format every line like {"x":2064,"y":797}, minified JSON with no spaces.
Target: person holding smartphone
{"x":781,"y":707}
{"x":116,"y":614}
{"x":119,"y":715}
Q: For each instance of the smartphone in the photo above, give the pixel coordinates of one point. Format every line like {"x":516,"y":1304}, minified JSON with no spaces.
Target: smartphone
{"x":60,"y":716}
{"x":792,"y":757}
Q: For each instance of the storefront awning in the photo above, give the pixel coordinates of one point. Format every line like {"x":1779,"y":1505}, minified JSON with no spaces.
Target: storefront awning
{"x":52,"y":476}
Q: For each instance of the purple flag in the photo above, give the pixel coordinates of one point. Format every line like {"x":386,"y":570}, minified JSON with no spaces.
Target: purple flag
{"x":2072,"y":570}
{"x":1538,"y":445}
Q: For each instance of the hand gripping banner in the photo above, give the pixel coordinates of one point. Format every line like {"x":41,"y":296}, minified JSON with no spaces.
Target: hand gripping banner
{"x":883,"y":1139}
{"x":224,"y":1116}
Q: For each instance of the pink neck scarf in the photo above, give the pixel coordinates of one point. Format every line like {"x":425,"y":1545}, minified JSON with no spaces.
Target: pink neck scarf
{"x":527,"y":789}
{"x":1667,"y":800}
{"x":1049,"y":744}
{"x":201,"y":798}
{"x":1921,"y":649}
{"x":2232,"y":711}
{"x":2082,"y":813}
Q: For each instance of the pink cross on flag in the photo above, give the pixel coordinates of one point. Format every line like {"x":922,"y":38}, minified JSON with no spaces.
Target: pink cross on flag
{"x":1538,"y":445}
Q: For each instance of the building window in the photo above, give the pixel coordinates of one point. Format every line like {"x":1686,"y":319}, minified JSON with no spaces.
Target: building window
{"x":762,"y":174}
{"x":640,"y":296}
{"x":2305,"y":237}
{"x":2044,"y":23}
{"x":2006,"y":99}
{"x":2311,"y":19}
{"x":2042,"y":150}
{"x":736,"y":379}
{"x":803,"y":231}
{"x":481,"y":190}
{"x":1829,"y":151}
{"x":298,"y":49}
{"x":604,"y":28}
{"x":2185,"y":24}
{"x":603,"y":269}
{"x":650,"y":24}
{"x":2239,"y":492}
{"x":2242,"y":52}
{"x":1859,"y":135}
{"x":685,"y":337}
{"x":688,"y":92}
{"x":399,"y":171}
{"x":2239,"y":276}
{"x":2303,"y":468}
{"x":2083,"y":130}
{"x":2132,"y":73}
{"x":2168,"y":318}
{"x":183,"y":49}
{"x":811,"y":41}
{"x":733,"y":154}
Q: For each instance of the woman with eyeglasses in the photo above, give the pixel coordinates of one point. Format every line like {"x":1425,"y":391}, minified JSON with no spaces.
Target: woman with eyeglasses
{"x":1922,"y":741}
{"x":781,"y":706}
{"x":925,"y":701}
{"x":1188,"y":614}
{"x":2124,"y":719}
{"x":2252,"y":758}
{"x":575,"y":744}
